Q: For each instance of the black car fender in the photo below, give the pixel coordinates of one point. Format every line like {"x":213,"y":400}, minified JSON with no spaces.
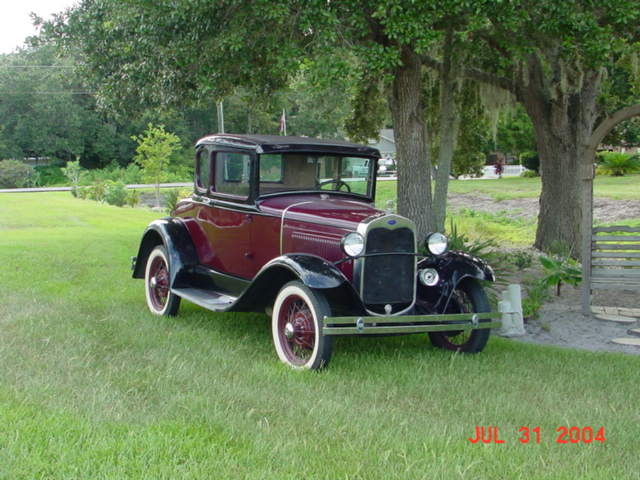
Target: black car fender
{"x":313,"y":271}
{"x":175,"y":237}
{"x":452,"y":268}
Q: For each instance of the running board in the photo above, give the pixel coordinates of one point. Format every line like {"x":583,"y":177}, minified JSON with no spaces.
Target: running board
{"x":205,"y":298}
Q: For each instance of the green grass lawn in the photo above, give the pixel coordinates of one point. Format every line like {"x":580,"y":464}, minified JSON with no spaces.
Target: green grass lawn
{"x":93,"y":386}
{"x":617,"y":188}
{"x":500,"y":226}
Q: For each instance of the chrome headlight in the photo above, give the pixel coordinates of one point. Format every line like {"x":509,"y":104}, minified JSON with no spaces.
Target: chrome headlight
{"x":352,"y":244}
{"x":437,"y":243}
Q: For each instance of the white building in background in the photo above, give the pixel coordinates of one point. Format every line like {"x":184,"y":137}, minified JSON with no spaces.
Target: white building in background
{"x":386,"y":144}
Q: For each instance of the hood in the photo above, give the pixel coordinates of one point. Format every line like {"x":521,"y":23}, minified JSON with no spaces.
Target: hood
{"x":323,"y":209}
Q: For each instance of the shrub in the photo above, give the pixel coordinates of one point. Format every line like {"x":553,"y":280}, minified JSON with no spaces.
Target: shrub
{"x":173,"y":196}
{"x":132,"y":174}
{"x":488,"y":250}
{"x":531,"y":161}
{"x":115,"y":193}
{"x":617,"y":164}
{"x":529,"y":174}
{"x":81,"y":192}
{"x":133,"y":198}
{"x":96,"y":191}
{"x":50,"y":175}
{"x":471,"y":164}
{"x":14,"y":174}
{"x":537,"y":293}
{"x":521,"y":259}
{"x":72,"y":171}
{"x":560,"y":269}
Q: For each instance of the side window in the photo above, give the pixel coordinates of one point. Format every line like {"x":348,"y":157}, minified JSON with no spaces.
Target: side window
{"x":232,"y":173}
{"x":203,"y":170}
{"x":271,"y":168}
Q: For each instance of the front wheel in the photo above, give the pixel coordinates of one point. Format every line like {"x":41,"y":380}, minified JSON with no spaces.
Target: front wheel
{"x":296,"y":326}
{"x":468,"y":297}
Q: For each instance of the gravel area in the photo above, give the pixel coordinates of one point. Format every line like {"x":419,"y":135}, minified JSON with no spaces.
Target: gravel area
{"x":561,"y":323}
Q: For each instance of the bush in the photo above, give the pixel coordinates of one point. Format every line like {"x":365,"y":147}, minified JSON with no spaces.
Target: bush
{"x":50,"y":175}
{"x":529,"y":174}
{"x":521,"y":259}
{"x":560,"y":269}
{"x":96,"y":191}
{"x":81,"y":192}
{"x":15,"y":174}
{"x":173,"y":196}
{"x":133,"y":198}
{"x":537,"y":293}
{"x":531,"y":161}
{"x":471,"y":164}
{"x":487,"y":250}
{"x":617,"y":164}
{"x":115,"y":193}
{"x":132,"y":174}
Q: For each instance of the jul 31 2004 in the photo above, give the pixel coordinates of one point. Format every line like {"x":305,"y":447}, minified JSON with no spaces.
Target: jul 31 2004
{"x":486,"y":434}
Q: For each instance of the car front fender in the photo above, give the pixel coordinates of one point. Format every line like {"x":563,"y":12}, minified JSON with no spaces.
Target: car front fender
{"x":453,"y":268}
{"x":313,"y":271}
{"x":171,"y":233}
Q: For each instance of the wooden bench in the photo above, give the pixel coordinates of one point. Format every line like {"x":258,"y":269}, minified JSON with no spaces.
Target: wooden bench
{"x":615,"y":258}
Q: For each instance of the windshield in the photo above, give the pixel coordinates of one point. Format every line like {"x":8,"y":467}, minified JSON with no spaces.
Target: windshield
{"x":290,"y":172}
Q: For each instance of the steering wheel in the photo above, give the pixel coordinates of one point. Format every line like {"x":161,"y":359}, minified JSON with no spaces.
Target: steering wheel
{"x":339,"y":184}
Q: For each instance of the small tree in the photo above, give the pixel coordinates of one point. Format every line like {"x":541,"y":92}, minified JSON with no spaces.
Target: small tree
{"x":153,"y":154}
{"x":72,"y":172}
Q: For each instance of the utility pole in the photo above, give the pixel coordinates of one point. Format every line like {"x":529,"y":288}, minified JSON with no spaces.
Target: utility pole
{"x":220,"y":109}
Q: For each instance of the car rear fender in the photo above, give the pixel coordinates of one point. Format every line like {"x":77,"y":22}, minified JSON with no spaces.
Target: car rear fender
{"x":175,"y":237}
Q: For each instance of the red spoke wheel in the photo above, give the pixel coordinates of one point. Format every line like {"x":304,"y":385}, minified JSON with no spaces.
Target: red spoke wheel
{"x":468,"y":297}
{"x":157,"y":279}
{"x":296,"y":325}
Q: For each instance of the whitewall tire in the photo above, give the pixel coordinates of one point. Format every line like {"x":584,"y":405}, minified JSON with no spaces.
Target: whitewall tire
{"x":157,"y":280}
{"x":296,"y":326}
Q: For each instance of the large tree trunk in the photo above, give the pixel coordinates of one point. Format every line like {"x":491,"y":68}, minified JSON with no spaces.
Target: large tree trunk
{"x":407,"y":109}
{"x":563,"y":122}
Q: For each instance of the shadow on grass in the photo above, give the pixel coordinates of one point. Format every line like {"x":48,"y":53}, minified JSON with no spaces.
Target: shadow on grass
{"x":254,"y":331}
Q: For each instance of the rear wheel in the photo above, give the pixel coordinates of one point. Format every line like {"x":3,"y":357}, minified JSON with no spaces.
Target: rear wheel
{"x":157,"y":280}
{"x":468,"y":297}
{"x":296,"y":325}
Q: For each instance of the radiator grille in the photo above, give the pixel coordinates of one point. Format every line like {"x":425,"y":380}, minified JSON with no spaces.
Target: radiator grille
{"x":389,"y":278}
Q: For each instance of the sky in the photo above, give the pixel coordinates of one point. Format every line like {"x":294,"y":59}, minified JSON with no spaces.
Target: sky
{"x":15,"y":23}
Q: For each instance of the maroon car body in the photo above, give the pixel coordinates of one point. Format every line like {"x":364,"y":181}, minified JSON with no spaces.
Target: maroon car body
{"x":288,"y":225}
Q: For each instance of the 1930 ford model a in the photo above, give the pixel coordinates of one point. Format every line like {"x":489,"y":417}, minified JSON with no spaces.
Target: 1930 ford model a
{"x":287,"y":225}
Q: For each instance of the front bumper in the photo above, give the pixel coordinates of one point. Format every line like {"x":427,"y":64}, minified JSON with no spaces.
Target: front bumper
{"x":409,"y":323}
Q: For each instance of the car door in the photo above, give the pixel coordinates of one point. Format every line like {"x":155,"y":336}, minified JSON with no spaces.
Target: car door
{"x":226,"y":216}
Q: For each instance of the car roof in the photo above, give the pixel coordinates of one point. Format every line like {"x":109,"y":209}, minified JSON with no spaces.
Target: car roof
{"x":282,"y":144}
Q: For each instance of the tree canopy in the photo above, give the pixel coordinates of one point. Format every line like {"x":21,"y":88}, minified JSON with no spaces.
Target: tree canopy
{"x":554,"y":58}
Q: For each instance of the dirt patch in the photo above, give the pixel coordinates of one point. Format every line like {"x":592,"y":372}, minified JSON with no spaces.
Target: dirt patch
{"x":605,"y":209}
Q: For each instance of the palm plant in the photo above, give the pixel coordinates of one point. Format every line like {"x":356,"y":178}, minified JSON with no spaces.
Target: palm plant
{"x":618,"y":164}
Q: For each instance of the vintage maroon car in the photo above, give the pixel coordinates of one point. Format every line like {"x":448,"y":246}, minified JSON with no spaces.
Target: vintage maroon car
{"x":287,"y":225}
